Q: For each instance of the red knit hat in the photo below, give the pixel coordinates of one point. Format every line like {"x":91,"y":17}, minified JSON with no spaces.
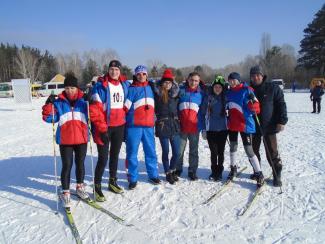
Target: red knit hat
{"x":167,"y":75}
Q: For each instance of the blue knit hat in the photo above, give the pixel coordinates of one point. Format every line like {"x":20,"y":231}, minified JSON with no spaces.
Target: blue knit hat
{"x":234,"y":76}
{"x":140,"y":69}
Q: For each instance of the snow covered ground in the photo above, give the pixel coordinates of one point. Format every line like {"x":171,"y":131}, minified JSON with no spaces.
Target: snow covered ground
{"x":164,"y":213}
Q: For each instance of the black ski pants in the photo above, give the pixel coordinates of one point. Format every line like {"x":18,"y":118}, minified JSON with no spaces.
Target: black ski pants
{"x":66,"y":152}
{"x":217,"y":142}
{"x":115,"y":138}
{"x":271,"y":146}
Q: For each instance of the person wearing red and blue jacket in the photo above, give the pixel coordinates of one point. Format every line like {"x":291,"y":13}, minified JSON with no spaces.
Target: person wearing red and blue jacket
{"x":140,"y":121}
{"x":242,"y":105}
{"x":191,"y":120}
{"x":107,"y":115}
{"x":69,"y":110}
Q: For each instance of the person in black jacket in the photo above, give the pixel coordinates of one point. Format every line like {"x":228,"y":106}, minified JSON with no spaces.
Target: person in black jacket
{"x":167,"y":125}
{"x":316,"y":94}
{"x":271,"y":120}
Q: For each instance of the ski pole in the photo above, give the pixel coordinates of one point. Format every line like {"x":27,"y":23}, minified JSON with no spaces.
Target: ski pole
{"x":266,"y":148}
{"x":91,"y":150}
{"x":55,"y":163}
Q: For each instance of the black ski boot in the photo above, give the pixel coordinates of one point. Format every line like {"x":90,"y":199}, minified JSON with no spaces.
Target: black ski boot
{"x":277,"y":175}
{"x":154,"y":181}
{"x":132,"y":185}
{"x":219,"y":173}
{"x":174,"y":175}
{"x":213,"y":177}
{"x":233,"y":172}
{"x":192,"y":176}
{"x":178,"y":172}
{"x":253,"y":176}
{"x":259,"y":178}
{"x":170,"y":177}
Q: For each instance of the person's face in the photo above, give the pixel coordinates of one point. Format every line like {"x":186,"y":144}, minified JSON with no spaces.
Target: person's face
{"x":142,"y":77}
{"x":70,"y":90}
{"x":257,"y":79}
{"x":217,"y":89}
{"x":319,"y":83}
{"x":194,"y":81}
{"x":167,"y":85}
{"x":114,"y":73}
{"x":233,"y":82}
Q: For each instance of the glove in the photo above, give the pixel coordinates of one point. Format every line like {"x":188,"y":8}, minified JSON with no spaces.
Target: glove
{"x":279,"y":127}
{"x":204,"y":134}
{"x":252,"y":97}
{"x":104,"y":137}
{"x":50,"y":99}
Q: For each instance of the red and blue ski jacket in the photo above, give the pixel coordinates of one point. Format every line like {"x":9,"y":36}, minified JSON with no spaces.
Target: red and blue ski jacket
{"x":189,"y":111}
{"x":140,"y":105}
{"x":72,"y":121}
{"x":241,"y":109}
{"x":101,"y":114}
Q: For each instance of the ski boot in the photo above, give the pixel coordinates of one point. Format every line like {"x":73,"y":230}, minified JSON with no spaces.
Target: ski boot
{"x":154,"y":181}
{"x":170,"y":177}
{"x":175,"y":175}
{"x":132,"y":185}
{"x":81,"y":191}
{"x":114,"y":187}
{"x":277,"y":177}
{"x":233,"y":172}
{"x":192,"y":176}
{"x":65,"y":198}
{"x":259,"y":179}
{"x":99,"y":196}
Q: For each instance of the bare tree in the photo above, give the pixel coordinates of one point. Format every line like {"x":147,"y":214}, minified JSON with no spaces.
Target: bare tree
{"x":28,"y":65}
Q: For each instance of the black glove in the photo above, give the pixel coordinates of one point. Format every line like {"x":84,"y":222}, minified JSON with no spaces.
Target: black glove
{"x":104,"y":137}
{"x":252,"y":97}
{"x":50,"y":99}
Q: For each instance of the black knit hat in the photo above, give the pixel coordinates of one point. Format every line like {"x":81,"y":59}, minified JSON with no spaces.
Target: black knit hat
{"x":70,"y":80}
{"x":115,"y":63}
{"x":234,"y":76}
{"x":256,"y":70}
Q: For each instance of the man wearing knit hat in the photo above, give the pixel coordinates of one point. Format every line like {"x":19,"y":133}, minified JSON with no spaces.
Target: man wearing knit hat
{"x":140,"y":121}
{"x":272,"y":118}
{"x":108,"y":117}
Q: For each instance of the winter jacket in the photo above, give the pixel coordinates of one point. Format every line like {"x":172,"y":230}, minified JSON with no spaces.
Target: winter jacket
{"x":213,"y":110}
{"x":140,"y":105}
{"x":167,"y":122}
{"x":241,"y":109}
{"x":316,"y":93}
{"x":190,"y":115}
{"x":102,"y":115}
{"x":273,"y":106}
{"x":72,"y":120}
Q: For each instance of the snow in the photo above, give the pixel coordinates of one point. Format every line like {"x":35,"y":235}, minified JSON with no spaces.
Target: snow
{"x":164,"y":213}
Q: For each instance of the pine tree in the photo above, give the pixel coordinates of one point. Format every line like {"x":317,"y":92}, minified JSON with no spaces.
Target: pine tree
{"x":313,"y":44}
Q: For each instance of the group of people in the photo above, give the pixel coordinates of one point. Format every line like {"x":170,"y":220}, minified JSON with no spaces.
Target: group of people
{"x":137,"y":111}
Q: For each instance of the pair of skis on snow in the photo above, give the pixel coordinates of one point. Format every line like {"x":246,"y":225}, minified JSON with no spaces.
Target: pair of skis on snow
{"x":93,"y":204}
{"x":228,"y":182}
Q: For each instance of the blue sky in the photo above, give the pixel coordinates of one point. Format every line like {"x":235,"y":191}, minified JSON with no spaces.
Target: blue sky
{"x":177,"y":32}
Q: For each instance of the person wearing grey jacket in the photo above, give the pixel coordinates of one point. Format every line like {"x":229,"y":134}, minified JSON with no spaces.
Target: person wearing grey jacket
{"x":215,"y":125}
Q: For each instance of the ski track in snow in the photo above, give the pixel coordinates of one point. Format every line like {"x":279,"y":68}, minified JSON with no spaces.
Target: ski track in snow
{"x":164,"y":213}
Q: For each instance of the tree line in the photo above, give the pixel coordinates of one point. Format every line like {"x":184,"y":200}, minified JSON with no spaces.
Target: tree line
{"x":276,"y":61}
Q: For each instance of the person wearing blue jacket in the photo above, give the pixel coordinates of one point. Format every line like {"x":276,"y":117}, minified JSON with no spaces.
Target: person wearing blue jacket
{"x":140,"y":121}
{"x":69,"y":110}
{"x":214,"y":112}
{"x":316,"y":94}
